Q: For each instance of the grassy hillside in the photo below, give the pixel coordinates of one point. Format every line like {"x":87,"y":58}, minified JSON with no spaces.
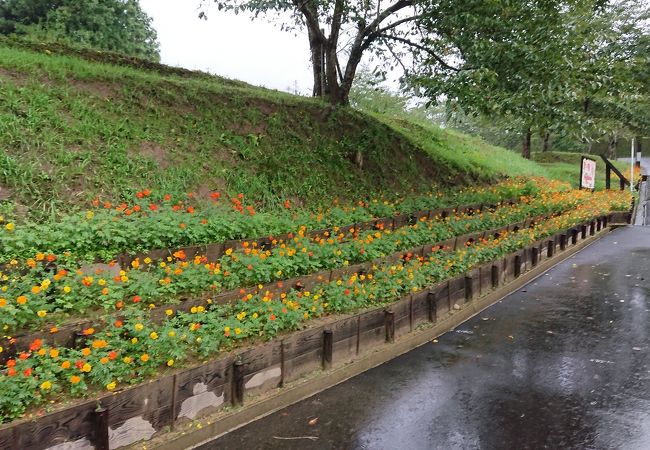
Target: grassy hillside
{"x":76,"y":125}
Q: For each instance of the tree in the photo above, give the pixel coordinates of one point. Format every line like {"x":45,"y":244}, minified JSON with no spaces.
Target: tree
{"x":115,"y":25}
{"x":564,"y":68}
{"x":402,"y":33}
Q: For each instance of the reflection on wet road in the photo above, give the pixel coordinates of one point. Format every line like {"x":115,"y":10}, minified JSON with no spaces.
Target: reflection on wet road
{"x":562,"y":363}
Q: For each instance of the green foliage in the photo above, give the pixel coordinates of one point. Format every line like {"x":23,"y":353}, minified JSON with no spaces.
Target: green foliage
{"x":115,"y":25}
{"x":574,"y":69}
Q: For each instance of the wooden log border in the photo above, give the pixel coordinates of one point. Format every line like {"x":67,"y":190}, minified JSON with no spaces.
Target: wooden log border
{"x":149,"y":409}
{"x":215,"y":250}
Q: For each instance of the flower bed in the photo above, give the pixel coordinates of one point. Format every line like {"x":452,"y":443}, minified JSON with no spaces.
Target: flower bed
{"x":135,"y":347}
{"x":153,"y":221}
{"x":37,"y":290}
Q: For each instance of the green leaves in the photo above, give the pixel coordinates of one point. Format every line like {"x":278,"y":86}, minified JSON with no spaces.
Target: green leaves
{"x":115,"y":25}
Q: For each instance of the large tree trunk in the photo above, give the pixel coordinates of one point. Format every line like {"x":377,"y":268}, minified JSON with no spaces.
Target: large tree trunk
{"x":316,"y":49}
{"x":525,"y":151}
{"x":612,"y":145}
{"x":545,"y":141}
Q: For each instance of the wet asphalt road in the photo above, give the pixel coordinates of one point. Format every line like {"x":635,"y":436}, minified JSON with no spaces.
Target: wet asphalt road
{"x":563,"y":363}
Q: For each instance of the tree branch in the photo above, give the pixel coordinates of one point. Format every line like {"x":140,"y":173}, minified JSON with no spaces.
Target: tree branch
{"x":311,"y":17}
{"x":424,"y":49}
{"x":399,"y":5}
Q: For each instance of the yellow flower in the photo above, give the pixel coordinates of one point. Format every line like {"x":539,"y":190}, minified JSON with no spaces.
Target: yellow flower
{"x":67,"y":289}
{"x":45,"y":385}
{"x":171,"y":334}
{"x":139,"y":327}
{"x":169,"y":312}
{"x":110,"y":386}
{"x":170,"y":363}
{"x":228,"y":251}
{"x":101,"y":282}
{"x":237,"y":330}
{"x":147,"y":260}
{"x":9,"y":227}
{"x":153,"y":335}
{"x":90,"y":215}
{"x":134,"y":340}
{"x":41,"y":313}
{"x":127,"y":360}
{"x":86,"y":368}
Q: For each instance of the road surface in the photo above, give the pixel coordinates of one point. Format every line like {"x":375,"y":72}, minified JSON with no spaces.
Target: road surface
{"x":563,"y":363}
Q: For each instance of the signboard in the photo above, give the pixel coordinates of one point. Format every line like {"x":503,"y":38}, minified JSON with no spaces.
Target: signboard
{"x":587,"y":173}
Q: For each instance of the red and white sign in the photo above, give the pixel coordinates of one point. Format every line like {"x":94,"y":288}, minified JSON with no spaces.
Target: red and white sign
{"x":588,"y":173}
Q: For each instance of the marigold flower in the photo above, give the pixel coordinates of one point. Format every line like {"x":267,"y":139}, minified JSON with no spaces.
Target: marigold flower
{"x":21,"y":300}
{"x":99,"y":343}
{"x":35,"y":345}
{"x":41,"y":313}
{"x":46,"y":385}
{"x":110,"y":386}
{"x":54,"y":353}
{"x":144,"y":357}
{"x":74,"y":379}
{"x":170,"y":362}
{"x":86,"y":368}
{"x":85,"y":351}
{"x":65,"y":365}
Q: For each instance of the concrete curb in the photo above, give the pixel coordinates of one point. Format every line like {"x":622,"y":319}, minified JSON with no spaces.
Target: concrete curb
{"x":211,"y":427}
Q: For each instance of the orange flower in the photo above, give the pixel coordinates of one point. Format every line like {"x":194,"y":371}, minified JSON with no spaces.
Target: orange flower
{"x":144,"y":357}
{"x":65,"y":365}
{"x":85,"y":351}
{"x":112,"y":355}
{"x":88,"y":331}
{"x":35,"y":345}
{"x":74,"y":379}
{"x":21,"y":300}
{"x":99,"y":343}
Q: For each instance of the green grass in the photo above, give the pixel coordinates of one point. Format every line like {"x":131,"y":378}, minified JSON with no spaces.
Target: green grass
{"x":75,"y":125}
{"x":565,"y":166}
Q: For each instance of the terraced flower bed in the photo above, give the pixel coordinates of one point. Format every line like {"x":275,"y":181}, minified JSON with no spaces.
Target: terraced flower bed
{"x":130,"y":345}
{"x":155,"y":221}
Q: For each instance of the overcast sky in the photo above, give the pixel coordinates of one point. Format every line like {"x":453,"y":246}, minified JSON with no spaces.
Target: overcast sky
{"x":230,"y":45}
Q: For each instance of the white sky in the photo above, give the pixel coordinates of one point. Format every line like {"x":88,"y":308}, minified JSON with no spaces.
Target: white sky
{"x":230,"y":45}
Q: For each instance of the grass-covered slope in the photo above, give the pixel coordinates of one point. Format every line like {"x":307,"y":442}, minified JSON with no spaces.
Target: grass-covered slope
{"x":73,"y":128}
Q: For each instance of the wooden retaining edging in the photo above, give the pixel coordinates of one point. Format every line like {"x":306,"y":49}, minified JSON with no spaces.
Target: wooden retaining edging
{"x":367,"y":339}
